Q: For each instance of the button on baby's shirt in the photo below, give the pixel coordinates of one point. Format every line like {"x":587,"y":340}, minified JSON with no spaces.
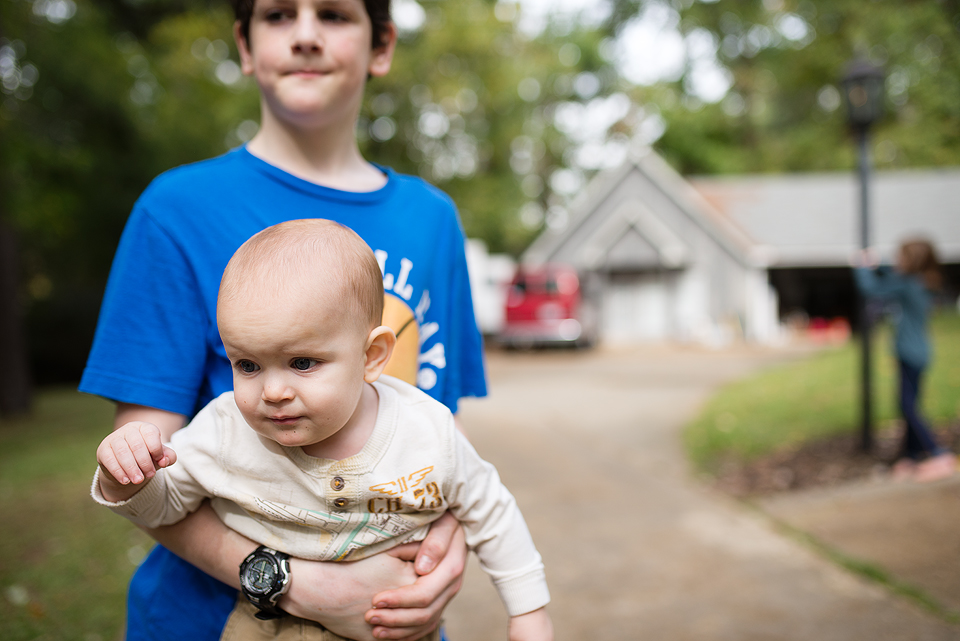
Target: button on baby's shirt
{"x":337,"y":483}
{"x":340,"y":502}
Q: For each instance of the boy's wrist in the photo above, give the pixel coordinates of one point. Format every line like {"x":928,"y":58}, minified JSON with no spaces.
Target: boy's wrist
{"x":299,"y":595}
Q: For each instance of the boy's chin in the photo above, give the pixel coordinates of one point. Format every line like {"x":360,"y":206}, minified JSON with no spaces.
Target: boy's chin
{"x":308,"y":111}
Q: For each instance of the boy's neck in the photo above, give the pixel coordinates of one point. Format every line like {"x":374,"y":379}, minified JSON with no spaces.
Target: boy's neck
{"x":328,"y":156}
{"x":353,"y":436}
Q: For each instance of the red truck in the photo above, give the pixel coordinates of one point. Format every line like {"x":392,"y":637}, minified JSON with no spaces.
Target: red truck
{"x":546,"y":305}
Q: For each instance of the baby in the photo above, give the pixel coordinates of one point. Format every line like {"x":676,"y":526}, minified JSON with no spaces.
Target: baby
{"x":315,"y":454}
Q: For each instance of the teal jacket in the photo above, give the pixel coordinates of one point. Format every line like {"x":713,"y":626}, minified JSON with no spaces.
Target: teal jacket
{"x":914,"y":300}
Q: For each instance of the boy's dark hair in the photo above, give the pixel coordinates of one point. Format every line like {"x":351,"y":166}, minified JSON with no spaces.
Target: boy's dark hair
{"x":378,"y":10}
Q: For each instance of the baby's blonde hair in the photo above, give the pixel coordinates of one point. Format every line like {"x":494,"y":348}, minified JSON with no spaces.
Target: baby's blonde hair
{"x":309,"y":257}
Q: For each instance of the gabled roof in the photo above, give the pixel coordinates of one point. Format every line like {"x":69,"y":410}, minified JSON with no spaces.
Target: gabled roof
{"x":786,"y":220}
{"x":814,"y":219}
{"x":633,"y":234}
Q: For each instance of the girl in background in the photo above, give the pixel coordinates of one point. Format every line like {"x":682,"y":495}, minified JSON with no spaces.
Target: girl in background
{"x":910,"y":285}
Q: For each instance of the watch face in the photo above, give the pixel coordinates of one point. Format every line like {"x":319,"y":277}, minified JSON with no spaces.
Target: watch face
{"x":261,"y":575}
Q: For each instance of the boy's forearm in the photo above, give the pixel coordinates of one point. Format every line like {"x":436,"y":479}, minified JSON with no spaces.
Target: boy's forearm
{"x":337,"y":601}
{"x":168,"y":422}
{"x":204,"y":541}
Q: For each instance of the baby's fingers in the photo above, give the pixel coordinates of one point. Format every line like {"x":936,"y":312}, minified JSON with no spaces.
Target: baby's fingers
{"x":129,"y":464}
{"x":160,"y":455}
{"x":116,"y":457}
{"x":168,"y":458}
{"x":107,"y":458}
{"x":142,"y":444}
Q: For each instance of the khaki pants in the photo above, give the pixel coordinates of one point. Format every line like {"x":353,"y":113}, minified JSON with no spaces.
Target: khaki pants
{"x":244,"y":626}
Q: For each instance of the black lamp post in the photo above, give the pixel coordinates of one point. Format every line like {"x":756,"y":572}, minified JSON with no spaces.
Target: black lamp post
{"x":863,"y":85}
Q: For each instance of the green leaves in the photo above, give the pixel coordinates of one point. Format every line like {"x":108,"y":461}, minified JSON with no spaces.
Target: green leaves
{"x":783,"y":112}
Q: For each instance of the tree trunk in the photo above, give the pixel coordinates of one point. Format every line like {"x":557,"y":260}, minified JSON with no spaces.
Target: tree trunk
{"x":15,"y":386}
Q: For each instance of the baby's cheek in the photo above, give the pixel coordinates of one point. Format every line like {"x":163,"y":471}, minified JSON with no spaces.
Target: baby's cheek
{"x":246,"y":403}
{"x":244,"y":389}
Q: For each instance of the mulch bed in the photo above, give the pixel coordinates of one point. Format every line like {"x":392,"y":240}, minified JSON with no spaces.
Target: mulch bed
{"x":823,"y":463}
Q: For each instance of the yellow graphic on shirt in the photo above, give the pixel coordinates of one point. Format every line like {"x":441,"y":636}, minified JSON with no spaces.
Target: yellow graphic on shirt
{"x":422,"y":497}
{"x":404,"y":362}
{"x":402,"y":484}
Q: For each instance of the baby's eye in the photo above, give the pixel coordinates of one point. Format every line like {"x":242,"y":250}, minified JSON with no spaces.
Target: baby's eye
{"x":303,"y":364}
{"x":247,"y":367}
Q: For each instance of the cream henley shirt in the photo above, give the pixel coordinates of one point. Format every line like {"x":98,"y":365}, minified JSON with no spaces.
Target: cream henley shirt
{"x":415,"y":466}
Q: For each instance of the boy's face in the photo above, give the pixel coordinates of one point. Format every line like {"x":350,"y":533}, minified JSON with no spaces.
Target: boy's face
{"x":298,"y":365}
{"x":311,"y":59}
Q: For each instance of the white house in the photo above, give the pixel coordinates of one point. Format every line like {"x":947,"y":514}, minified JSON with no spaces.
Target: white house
{"x":807,"y":226}
{"x":707,"y":259}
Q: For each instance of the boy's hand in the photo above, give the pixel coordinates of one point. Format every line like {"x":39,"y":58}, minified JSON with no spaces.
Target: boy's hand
{"x":532,"y":626}
{"x":339,"y":600}
{"x":129,"y":456}
{"x":410,"y":612}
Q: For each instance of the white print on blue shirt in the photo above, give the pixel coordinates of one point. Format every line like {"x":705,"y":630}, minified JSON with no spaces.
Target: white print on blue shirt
{"x":433,"y":358}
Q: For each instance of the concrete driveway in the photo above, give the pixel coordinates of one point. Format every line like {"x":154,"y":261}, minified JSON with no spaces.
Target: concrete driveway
{"x":635,"y":548}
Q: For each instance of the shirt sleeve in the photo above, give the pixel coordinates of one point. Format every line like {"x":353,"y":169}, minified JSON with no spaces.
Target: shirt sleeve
{"x":150,"y":344}
{"x":880,"y":283}
{"x":496,"y":531}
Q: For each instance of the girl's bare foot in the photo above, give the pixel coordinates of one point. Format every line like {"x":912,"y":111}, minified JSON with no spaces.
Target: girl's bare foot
{"x":903,"y":469}
{"x":936,"y":467}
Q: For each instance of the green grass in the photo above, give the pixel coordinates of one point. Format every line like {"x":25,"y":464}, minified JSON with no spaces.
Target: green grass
{"x":817,"y":397}
{"x":64,"y":561}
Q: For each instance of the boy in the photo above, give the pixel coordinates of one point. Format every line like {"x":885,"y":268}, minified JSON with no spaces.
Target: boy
{"x":157,"y":352}
{"x":311,"y":454}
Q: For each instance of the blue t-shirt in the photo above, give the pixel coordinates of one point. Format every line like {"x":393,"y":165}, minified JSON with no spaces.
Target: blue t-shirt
{"x":157,"y":342}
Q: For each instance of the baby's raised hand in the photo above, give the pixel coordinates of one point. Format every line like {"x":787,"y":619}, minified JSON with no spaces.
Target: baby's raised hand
{"x":532,"y":626}
{"x":129,"y":456}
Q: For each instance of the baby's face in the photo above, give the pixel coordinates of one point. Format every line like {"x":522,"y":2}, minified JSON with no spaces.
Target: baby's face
{"x":298,"y":365}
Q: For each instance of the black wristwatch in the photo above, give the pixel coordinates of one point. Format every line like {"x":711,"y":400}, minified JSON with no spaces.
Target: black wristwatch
{"x":264,"y":578}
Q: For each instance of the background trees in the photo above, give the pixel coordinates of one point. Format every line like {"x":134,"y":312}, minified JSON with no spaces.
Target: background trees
{"x":782,"y":60}
{"x":510,"y":119}
{"x":87,"y":116}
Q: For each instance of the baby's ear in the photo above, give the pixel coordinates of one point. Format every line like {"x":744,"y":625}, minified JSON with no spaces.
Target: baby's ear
{"x":380,"y":344}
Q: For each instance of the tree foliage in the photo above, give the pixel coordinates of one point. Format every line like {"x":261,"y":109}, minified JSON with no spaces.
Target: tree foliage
{"x":785,"y":59}
{"x":87,"y":118}
{"x":470,"y":105}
